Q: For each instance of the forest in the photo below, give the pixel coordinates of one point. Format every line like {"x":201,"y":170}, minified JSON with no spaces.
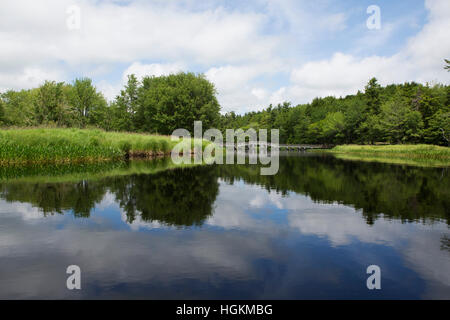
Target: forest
{"x":398,"y":113}
{"x":407,"y":113}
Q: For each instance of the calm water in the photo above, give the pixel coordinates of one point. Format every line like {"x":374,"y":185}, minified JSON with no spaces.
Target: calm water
{"x":226,"y":232}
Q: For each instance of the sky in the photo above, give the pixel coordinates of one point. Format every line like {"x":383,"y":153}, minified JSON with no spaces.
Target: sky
{"x":256,"y":52}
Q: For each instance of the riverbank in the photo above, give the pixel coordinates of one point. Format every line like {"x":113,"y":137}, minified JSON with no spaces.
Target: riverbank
{"x":47,"y":145}
{"x":424,"y":155}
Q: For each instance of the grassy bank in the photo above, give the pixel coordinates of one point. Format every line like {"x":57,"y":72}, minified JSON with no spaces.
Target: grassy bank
{"x":25,"y":146}
{"x":408,"y":154}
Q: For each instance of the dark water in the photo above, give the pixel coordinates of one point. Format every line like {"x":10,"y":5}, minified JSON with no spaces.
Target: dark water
{"x":216,"y":232}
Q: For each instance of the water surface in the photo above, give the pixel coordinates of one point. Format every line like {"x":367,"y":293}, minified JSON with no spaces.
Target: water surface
{"x":226,"y":232}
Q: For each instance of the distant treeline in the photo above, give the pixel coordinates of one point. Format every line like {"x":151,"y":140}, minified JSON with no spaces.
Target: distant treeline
{"x":397,"y":113}
{"x":404,"y":113}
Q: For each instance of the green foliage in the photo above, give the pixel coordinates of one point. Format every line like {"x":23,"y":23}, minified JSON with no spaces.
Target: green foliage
{"x":439,"y":128}
{"x":18,"y":107}
{"x":373,"y":96}
{"x":404,"y":113}
{"x":51,"y":104}
{"x":333,"y":127}
{"x":176,"y":101}
{"x":157,"y":105}
{"x":125,"y":107}
{"x":397,"y":113}
{"x":371,"y":129}
{"x":399,"y":123}
{"x":2,"y":113}
{"x":88,"y":104}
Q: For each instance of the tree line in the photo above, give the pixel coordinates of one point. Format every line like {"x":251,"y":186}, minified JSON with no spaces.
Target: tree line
{"x":396,"y":113}
{"x":153,"y":105}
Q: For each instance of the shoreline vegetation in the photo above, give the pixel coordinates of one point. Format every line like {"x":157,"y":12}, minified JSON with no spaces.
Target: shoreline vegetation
{"x":420,"y":154}
{"x":49,"y":146}
{"x":408,"y":113}
{"x":59,"y":146}
{"x":45,"y":125}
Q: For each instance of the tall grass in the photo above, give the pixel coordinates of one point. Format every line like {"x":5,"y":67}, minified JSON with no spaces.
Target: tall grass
{"x":420,"y":151}
{"x":45,"y":145}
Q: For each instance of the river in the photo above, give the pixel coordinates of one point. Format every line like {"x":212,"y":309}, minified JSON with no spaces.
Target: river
{"x":226,"y":232}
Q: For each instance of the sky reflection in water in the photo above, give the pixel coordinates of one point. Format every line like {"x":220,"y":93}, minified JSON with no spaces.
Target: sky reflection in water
{"x":226,"y":232}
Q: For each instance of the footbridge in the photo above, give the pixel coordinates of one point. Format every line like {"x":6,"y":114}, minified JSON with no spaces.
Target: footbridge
{"x":272,"y":146}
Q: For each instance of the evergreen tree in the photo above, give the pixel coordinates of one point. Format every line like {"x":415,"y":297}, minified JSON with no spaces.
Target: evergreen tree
{"x":372,"y":91}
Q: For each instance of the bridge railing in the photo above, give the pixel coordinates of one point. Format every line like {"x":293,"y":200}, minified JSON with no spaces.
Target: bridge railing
{"x":278,"y":146}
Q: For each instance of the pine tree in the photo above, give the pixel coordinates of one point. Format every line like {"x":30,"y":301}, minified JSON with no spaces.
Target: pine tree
{"x":372,"y":91}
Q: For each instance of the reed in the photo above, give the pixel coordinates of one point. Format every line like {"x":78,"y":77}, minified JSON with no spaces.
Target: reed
{"x":416,"y":152}
{"x":56,"y":145}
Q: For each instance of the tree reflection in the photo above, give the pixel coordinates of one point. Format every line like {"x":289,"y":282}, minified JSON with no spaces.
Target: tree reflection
{"x":180,"y":197}
{"x":186,"y":196}
{"x":395,"y":191}
{"x":53,"y":198}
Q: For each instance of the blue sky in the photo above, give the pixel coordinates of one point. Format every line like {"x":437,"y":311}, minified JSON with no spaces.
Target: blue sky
{"x":256,"y":52}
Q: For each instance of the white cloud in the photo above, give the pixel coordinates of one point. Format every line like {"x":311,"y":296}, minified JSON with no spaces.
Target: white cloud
{"x":28,"y":77}
{"x":153,"y":69}
{"x":37,"y":35}
{"x":117,"y":33}
{"x":420,"y":60}
{"x":229,"y":78}
{"x":259,"y":93}
{"x":243,"y":50}
{"x":232,"y":84}
{"x":341,"y":225}
{"x":110,"y":91}
{"x":343,"y":74}
{"x":24,"y":211}
{"x":305,"y":18}
{"x":236,"y":85}
{"x":278,"y":96}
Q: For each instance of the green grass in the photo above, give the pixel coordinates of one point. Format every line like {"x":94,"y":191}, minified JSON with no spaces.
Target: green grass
{"x":421,"y":154}
{"x":46,"y":145}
